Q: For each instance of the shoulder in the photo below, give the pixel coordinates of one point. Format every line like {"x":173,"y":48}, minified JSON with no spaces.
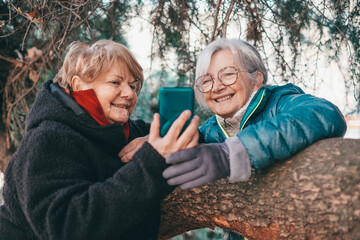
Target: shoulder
{"x":270,"y":95}
{"x":43,"y":136}
{"x":284,"y":94}
{"x":285,"y":89}
{"x":290,"y":96}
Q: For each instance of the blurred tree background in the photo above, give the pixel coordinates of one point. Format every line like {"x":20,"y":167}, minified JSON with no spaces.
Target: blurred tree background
{"x":297,"y":39}
{"x":294,"y":37}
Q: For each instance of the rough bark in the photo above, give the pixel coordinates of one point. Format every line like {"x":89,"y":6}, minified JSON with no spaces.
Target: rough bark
{"x":313,"y":195}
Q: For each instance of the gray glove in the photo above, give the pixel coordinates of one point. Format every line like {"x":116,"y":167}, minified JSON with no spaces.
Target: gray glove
{"x":197,"y":166}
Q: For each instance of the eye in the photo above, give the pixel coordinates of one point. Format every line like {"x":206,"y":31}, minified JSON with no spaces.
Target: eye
{"x":206,"y":80}
{"x":228,"y":74}
{"x":134,"y":85}
{"x":115,"y":82}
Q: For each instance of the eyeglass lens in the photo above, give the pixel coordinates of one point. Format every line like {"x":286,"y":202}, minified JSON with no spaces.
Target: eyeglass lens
{"x":226,"y":76}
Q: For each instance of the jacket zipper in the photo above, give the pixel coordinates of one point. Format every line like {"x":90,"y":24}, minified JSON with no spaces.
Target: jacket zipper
{"x":222,"y":129}
{"x":262,"y":96}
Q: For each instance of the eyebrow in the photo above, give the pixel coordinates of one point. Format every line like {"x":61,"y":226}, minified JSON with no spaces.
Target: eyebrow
{"x":122,"y":78}
{"x":118,"y":76}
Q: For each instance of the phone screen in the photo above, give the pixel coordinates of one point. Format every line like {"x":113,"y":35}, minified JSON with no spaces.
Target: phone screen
{"x":172,"y":102}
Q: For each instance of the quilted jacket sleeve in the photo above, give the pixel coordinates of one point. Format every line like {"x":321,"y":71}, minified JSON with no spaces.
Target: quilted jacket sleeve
{"x":298,"y":121}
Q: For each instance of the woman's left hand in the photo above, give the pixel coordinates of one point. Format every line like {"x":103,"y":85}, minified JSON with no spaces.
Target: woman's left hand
{"x":172,"y":142}
{"x":126,"y":154}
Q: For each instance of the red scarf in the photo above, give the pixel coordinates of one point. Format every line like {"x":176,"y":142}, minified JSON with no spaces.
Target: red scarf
{"x":88,"y":100}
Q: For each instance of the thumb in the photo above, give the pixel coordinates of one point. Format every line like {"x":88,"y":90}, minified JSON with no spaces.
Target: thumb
{"x":182,"y":156}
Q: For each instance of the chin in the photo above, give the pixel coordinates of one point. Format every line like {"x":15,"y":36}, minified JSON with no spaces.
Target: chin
{"x":224,"y":114}
{"x":118,"y":120}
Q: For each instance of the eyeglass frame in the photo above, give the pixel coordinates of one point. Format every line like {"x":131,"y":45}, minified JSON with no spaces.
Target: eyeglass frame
{"x":213,"y":78}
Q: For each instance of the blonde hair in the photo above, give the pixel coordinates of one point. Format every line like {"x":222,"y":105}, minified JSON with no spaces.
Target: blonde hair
{"x":88,"y":62}
{"x":246,"y":57}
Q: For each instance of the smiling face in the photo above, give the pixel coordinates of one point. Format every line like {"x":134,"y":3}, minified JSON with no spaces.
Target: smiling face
{"x":223,"y":100}
{"x":115,"y":90}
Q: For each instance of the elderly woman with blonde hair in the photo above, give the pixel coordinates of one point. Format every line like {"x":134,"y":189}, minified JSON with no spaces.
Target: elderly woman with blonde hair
{"x":66,"y":180}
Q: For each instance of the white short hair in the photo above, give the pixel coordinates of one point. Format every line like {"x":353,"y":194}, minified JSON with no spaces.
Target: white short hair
{"x":246,"y":57}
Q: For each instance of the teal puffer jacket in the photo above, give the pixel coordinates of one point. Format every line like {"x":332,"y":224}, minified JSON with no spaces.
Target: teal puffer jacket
{"x":279,"y":122}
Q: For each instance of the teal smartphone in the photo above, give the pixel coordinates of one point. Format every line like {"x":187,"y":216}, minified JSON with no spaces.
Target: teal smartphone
{"x":172,"y":102}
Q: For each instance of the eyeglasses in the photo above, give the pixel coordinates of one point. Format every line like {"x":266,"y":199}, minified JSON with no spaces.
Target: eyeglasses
{"x":227,"y":76}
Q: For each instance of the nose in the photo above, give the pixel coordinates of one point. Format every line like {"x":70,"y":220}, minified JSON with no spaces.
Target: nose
{"x":126,"y":92}
{"x":217,"y":85}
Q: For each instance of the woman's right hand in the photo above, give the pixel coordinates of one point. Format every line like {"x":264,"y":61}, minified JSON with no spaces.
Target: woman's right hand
{"x":172,"y":142}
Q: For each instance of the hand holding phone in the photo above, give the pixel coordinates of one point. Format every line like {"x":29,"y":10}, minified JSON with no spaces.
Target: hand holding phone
{"x":172,"y":102}
{"x":173,"y":141}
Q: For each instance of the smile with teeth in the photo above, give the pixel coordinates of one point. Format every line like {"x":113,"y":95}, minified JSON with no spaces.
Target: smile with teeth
{"x":120,"y":105}
{"x":224,"y":98}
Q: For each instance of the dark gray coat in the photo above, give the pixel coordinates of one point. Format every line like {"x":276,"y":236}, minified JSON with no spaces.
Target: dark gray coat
{"x":66,"y":181}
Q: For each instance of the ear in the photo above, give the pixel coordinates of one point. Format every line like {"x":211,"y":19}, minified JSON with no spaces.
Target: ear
{"x":77,"y":84}
{"x":259,"y":78}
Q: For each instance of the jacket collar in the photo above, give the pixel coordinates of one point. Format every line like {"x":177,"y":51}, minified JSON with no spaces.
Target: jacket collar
{"x":256,"y":106}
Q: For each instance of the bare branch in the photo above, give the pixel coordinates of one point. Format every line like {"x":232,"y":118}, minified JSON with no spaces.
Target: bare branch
{"x":225,"y":23}
{"x":215,"y":20}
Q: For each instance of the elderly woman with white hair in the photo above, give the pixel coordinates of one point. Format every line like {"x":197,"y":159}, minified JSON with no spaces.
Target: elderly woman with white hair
{"x":254,"y":125}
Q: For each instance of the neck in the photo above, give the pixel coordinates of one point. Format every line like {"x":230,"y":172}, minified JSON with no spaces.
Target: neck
{"x":232,"y":124}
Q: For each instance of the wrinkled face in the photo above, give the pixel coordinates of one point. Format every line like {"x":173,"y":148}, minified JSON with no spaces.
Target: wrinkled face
{"x":223,"y":100}
{"x":115,"y":90}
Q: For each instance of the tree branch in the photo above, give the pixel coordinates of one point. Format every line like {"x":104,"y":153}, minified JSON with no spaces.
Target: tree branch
{"x":313,"y":195}
{"x":215,"y":20}
{"x":227,"y":17}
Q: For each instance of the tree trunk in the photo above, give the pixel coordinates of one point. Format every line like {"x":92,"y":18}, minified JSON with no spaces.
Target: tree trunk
{"x":313,"y":195}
